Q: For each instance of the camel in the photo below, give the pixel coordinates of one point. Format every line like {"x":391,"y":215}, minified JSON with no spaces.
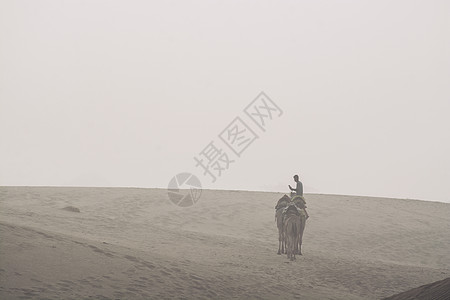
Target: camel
{"x":292,"y":229}
{"x":282,"y":203}
{"x":298,"y":246}
{"x":300,"y":203}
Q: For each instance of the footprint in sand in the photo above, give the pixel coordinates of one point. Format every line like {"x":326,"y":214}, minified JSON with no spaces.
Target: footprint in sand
{"x":132,"y":289}
{"x":149,"y":265}
{"x":98,"y":250}
{"x":132,"y":258}
{"x":195,"y":277}
{"x":72,"y":209}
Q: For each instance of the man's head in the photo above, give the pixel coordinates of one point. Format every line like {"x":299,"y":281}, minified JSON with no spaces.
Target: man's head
{"x":295,"y":178}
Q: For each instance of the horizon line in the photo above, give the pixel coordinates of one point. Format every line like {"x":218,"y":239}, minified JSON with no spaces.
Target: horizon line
{"x":227,"y":190}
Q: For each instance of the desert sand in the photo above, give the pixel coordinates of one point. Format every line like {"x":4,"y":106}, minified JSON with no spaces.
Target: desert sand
{"x":130,"y":243}
{"x":439,"y":290}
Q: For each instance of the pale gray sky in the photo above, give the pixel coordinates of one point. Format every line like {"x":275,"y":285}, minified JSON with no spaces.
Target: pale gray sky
{"x":126,"y":93}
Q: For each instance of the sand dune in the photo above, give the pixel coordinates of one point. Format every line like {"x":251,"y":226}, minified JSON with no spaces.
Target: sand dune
{"x":133,"y":243}
{"x":439,"y":290}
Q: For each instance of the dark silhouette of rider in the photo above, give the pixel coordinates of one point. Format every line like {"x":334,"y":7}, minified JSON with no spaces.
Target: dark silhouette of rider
{"x":299,"y":191}
{"x":299,"y":188}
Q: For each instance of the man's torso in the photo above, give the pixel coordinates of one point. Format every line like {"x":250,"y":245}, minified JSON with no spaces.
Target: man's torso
{"x":299,"y":188}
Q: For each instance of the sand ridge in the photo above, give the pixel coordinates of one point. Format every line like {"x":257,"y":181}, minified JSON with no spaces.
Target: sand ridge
{"x":134,"y":243}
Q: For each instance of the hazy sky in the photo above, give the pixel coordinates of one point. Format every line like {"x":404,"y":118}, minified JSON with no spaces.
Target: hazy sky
{"x":126,"y":93}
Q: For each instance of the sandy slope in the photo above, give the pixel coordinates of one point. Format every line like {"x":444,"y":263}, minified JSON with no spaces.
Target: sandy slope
{"x":133,"y":243}
{"x":439,"y":290}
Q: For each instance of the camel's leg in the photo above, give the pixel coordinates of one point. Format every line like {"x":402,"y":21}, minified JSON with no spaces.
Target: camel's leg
{"x":288,"y":252}
{"x":290,"y":246}
{"x":294,"y":246}
{"x":300,"y":236}
{"x":299,"y":243}
{"x":280,"y":241}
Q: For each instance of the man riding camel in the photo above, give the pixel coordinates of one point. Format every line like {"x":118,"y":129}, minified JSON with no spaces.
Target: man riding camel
{"x":299,"y":192}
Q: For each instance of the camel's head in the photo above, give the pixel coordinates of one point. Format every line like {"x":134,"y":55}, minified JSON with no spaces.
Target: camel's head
{"x":299,"y":201}
{"x":292,"y":210}
{"x":283,"y":202}
{"x":286,"y":197}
